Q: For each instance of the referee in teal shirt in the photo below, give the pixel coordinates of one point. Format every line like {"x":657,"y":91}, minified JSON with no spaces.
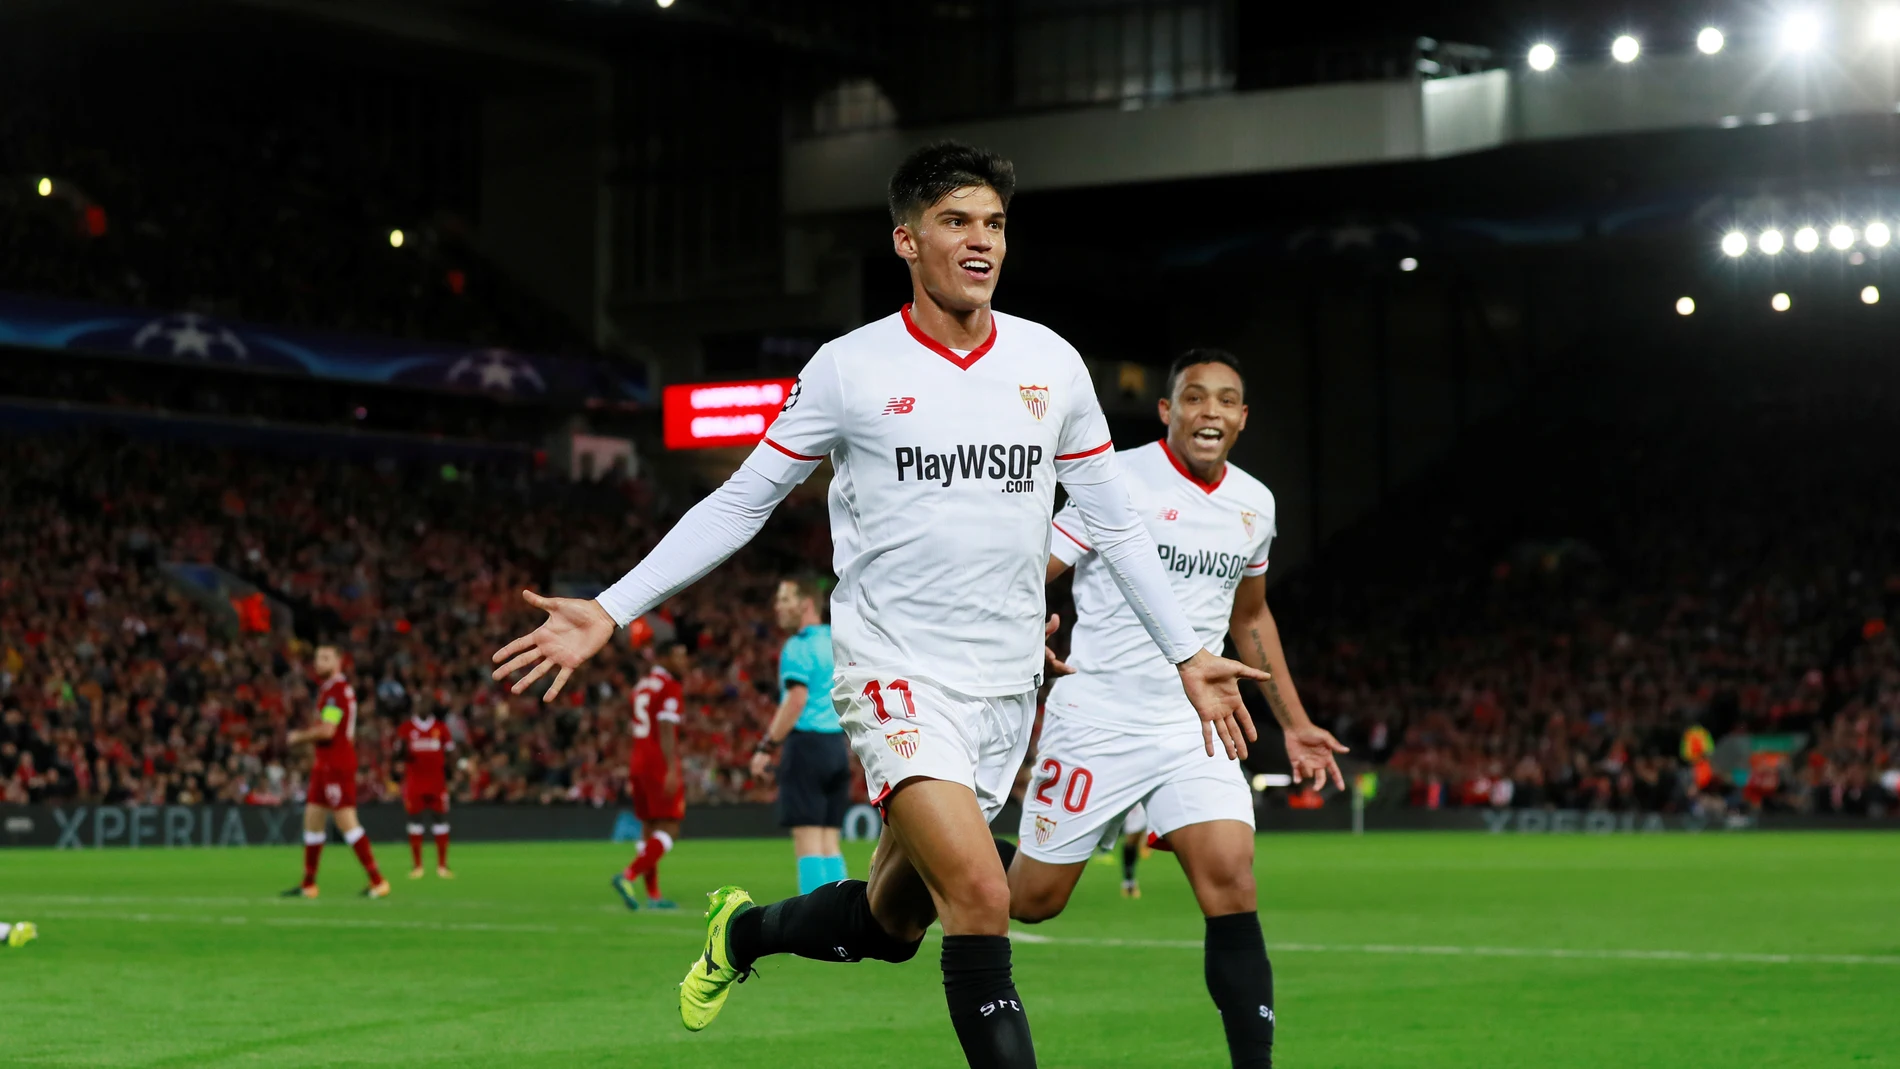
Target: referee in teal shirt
{"x":814,"y":775}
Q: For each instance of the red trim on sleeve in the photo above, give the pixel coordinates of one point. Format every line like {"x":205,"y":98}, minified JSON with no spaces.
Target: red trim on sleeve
{"x":1206,"y":487}
{"x":1103,"y":448}
{"x":1071,"y":537}
{"x":945,"y":351}
{"x":789,"y":453}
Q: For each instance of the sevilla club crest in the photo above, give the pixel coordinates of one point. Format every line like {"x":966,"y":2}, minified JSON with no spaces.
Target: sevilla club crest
{"x":1044,"y":829}
{"x":904,"y":742}
{"x":1036,"y":400}
{"x":1246,"y":520}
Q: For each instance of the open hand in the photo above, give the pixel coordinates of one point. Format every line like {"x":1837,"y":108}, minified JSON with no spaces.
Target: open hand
{"x":576,"y":629}
{"x":1213,"y":686}
{"x":1310,"y":750}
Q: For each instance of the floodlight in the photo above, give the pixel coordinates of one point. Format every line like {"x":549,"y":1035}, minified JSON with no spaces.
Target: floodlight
{"x":1801,"y":31}
{"x":1770,"y":242}
{"x":1780,"y":302}
{"x":1685,"y":306}
{"x":1408,"y":264}
{"x":1735,"y":243}
{"x":1710,"y":40}
{"x":1877,"y":235}
{"x":1870,"y":295}
{"x":1542,"y":57}
{"x":1625,"y":49}
{"x":395,"y":239}
{"x":1841,"y":236}
{"x":1807,"y":239}
{"x":46,"y":187}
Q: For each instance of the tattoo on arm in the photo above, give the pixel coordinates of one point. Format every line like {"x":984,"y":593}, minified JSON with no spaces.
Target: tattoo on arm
{"x":1275,"y":699}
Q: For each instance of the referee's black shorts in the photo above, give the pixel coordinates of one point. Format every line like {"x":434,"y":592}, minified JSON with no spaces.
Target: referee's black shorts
{"x":814,"y":780}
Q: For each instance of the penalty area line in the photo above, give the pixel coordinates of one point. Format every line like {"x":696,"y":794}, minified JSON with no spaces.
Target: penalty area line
{"x":1551,"y":953}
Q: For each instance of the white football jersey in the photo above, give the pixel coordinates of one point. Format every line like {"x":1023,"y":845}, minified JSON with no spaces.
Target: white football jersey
{"x":946,"y":465}
{"x":1209,"y":537}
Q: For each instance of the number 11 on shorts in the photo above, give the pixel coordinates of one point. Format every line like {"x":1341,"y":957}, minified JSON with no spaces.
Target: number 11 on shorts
{"x":875,"y":692}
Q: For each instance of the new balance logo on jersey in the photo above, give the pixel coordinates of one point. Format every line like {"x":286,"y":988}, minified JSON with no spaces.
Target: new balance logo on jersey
{"x":900,"y":406}
{"x":1013,"y":465}
{"x":1169,"y":514}
{"x":1203,"y":562}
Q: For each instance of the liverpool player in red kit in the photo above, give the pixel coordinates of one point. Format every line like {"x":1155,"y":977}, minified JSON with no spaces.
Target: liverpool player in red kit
{"x":659,"y":792}
{"x":333,"y":777}
{"x":426,"y":743}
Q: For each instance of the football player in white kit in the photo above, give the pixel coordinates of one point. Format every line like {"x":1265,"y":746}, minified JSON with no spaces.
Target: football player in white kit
{"x":1114,"y":736}
{"x":947,"y":426}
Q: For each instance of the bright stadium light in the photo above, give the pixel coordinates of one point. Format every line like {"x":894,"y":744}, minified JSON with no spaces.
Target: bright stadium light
{"x":1807,"y":239}
{"x":1870,"y":295}
{"x":1886,"y":23}
{"x":1625,"y":49}
{"x":1542,"y":57}
{"x":1877,"y":235}
{"x":46,"y":187}
{"x":395,"y":239}
{"x":664,"y":3}
{"x":1769,"y":242}
{"x":1735,"y":243}
{"x":1685,"y":306}
{"x":1841,"y":236}
{"x":1710,"y":40}
{"x":1408,"y":264}
{"x":1780,"y":302}
{"x":1801,"y":31}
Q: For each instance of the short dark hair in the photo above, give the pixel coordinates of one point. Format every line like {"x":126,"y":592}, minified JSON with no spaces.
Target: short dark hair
{"x":1204,"y":356}
{"x":933,"y":172}
{"x":807,"y":587}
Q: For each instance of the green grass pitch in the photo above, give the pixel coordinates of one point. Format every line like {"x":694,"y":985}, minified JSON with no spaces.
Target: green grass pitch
{"x":1391,"y":950}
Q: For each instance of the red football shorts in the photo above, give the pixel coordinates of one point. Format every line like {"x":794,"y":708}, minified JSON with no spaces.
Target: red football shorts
{"x":431,"y":799}
{"x":650,"y":800}
{"x":332,"y":788}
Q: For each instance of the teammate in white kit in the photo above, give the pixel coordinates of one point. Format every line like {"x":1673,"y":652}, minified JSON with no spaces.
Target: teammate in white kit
{"x":1116,"y":736}
{"x":947,"y":426}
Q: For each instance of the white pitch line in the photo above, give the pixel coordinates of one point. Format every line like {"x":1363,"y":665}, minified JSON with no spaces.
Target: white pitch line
{"x":1027,"y":938}
{"x":1586,"y":954}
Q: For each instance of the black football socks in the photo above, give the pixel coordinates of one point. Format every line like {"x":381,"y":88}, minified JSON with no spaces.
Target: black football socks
{"x":1241,"y":980}
{"x":984,"y":1007}
{"x":832,"y":923}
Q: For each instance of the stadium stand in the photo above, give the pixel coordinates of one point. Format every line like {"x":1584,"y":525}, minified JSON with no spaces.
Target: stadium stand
{"x":116,"y":687}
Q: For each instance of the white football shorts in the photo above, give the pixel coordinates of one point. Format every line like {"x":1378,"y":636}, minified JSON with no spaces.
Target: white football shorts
{"x":1088,"y":778}
{"x":902,"y":727}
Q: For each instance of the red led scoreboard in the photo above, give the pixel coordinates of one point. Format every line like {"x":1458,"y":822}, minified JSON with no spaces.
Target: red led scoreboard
{"x":704,"y":415}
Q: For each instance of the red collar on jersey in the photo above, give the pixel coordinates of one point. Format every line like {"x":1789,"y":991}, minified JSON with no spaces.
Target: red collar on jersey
{"x":1206,"y":487}
{"x":945,"y":351}
{"x":659,"y":670}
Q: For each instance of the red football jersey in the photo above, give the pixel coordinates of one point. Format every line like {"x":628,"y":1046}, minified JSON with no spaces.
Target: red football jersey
{"x":656,"y":698}
{"x":336,"y":704}
{"x":426,"y":742}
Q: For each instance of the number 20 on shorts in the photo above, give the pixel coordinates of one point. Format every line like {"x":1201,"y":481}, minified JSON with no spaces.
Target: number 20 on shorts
{"x":874,"y":691}
{"x":1075,"y":797}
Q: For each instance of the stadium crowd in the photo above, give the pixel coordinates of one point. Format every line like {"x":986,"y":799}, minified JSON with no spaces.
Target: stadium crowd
{"x":1718,"y":591}
{"x":117,"y":685}
{"x":1741,"y":575}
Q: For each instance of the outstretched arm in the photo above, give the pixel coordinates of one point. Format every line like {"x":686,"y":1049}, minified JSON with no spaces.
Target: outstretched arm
{"x":1256,"y":636}
{"x":714,"y":529}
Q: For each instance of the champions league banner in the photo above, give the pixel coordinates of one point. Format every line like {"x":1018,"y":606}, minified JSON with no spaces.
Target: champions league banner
{"x":191,"y":338}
